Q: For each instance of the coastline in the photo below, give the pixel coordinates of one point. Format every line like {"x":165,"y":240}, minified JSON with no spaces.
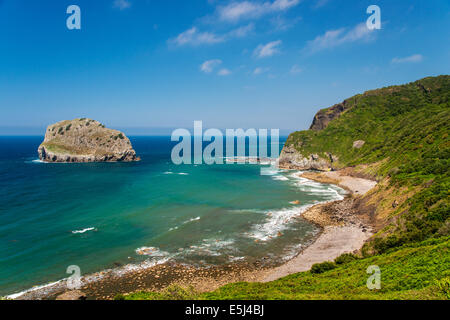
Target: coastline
{"x":341,"y":231}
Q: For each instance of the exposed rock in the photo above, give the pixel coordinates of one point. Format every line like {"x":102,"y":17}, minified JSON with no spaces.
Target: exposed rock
{"x":85,"y":140}
{"x":292,"y":159}
{"x":324,"y":117}
{"x":72,"y":295}
{"x":358,"y":144}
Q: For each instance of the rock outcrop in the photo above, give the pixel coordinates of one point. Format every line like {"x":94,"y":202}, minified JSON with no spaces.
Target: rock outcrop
{"x":290,"y":158}
{"x":325,"y":116}
{"x":85,"y":140}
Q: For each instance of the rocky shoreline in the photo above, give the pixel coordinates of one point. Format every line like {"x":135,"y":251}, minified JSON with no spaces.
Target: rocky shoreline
{"x":344,"y":229}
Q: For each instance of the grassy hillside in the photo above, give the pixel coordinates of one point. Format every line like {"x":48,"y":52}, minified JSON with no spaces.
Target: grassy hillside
{"x":407,"y":149}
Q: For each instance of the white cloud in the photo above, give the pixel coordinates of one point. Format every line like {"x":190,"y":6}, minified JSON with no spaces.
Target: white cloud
{"x":334,"y":38}
{"x":121,"y":4}
{"x":411,"y":59}
{"x":195,"y":37}
{"x":320,"y":3}
{"x":208,"y":66}
{"x":260,"y":70}
{"x":240,"y":32}
{"x":280,"y":23}
{"x":267,"y":50}
{"x":224,"y":72}
{"x":295,"y":69}
{"x":236,"y":11}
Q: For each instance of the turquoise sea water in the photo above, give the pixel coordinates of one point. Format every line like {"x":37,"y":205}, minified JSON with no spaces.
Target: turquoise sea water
{"x":101,"y":216}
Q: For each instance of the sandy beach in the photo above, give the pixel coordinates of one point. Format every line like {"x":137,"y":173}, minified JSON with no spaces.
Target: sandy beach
{"x":343,"y":231}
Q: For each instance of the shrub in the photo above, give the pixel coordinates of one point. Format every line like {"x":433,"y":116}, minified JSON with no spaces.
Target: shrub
{"x":322,"y":267}
{"x":345,"y":258}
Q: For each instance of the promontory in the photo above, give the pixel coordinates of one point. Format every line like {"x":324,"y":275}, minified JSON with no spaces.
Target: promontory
{"x":85,"y":140}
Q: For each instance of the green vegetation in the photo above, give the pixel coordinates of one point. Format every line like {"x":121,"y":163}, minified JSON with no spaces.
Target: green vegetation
{"x":407,"y":148}
{"x":172,"y":292}
{"x":322,"y":267}
{"x":406,"y":133}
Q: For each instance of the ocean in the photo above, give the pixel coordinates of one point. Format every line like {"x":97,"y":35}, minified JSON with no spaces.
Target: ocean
{"x":100,"y":216}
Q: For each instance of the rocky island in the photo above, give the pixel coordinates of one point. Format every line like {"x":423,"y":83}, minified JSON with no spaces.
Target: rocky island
{"x":85,"y":140}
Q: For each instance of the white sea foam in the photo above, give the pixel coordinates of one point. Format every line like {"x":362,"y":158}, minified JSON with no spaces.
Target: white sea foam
{"x":151,"y":252}
{"x":38,"y":161}
{"x":191,"y":220}
{"x":276,"y":221}
{"x":211,"y":247}
{"x":179,"y":173}
{"x":280,"y":178}
{"x":84,"y":230}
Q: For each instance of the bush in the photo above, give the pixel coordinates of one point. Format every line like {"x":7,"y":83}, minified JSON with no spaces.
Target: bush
{"x":323,"y":267}
{"x":345,"y":258}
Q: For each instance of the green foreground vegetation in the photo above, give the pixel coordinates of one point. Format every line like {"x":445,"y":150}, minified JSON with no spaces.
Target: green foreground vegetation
{"x":418,"y":271}
{"x":405,"y":129}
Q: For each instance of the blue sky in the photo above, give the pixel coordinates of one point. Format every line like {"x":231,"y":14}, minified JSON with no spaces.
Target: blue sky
{"x":144,"y":64}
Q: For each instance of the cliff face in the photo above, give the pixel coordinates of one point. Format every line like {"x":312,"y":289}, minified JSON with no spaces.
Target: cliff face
{"x":325,"y":116}
{"x":85,"y":140}
{"x":290,"y":158}
{"x":373,"y":126}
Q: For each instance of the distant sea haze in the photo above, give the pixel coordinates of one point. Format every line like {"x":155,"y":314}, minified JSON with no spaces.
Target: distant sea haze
{"x":100,"y":215}
{"x":129,"y":131}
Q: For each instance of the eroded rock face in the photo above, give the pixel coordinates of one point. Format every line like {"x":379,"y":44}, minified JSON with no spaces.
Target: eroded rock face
{"x":290,"y":158}
{"x":85,"y":140}
{"x":324,"y":117}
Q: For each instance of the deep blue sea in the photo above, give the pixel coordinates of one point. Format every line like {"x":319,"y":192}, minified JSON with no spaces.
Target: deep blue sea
{"x":102,"y":215}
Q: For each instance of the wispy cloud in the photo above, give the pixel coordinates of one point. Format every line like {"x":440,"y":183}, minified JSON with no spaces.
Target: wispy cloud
{"x":280,"y":23}
{"x":209,"y":65}
{"x":241,"y":10}
{"x":320,"y":3}
{"x":334,"y":38}
{"x":260,"y":70}
{"x":121,"y":4}
{"x":411,"y":59}
{"x":195,"y":37}
{"x":267,"y":50}
{"x":224,"y":72}
{"x":295,"y":69}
